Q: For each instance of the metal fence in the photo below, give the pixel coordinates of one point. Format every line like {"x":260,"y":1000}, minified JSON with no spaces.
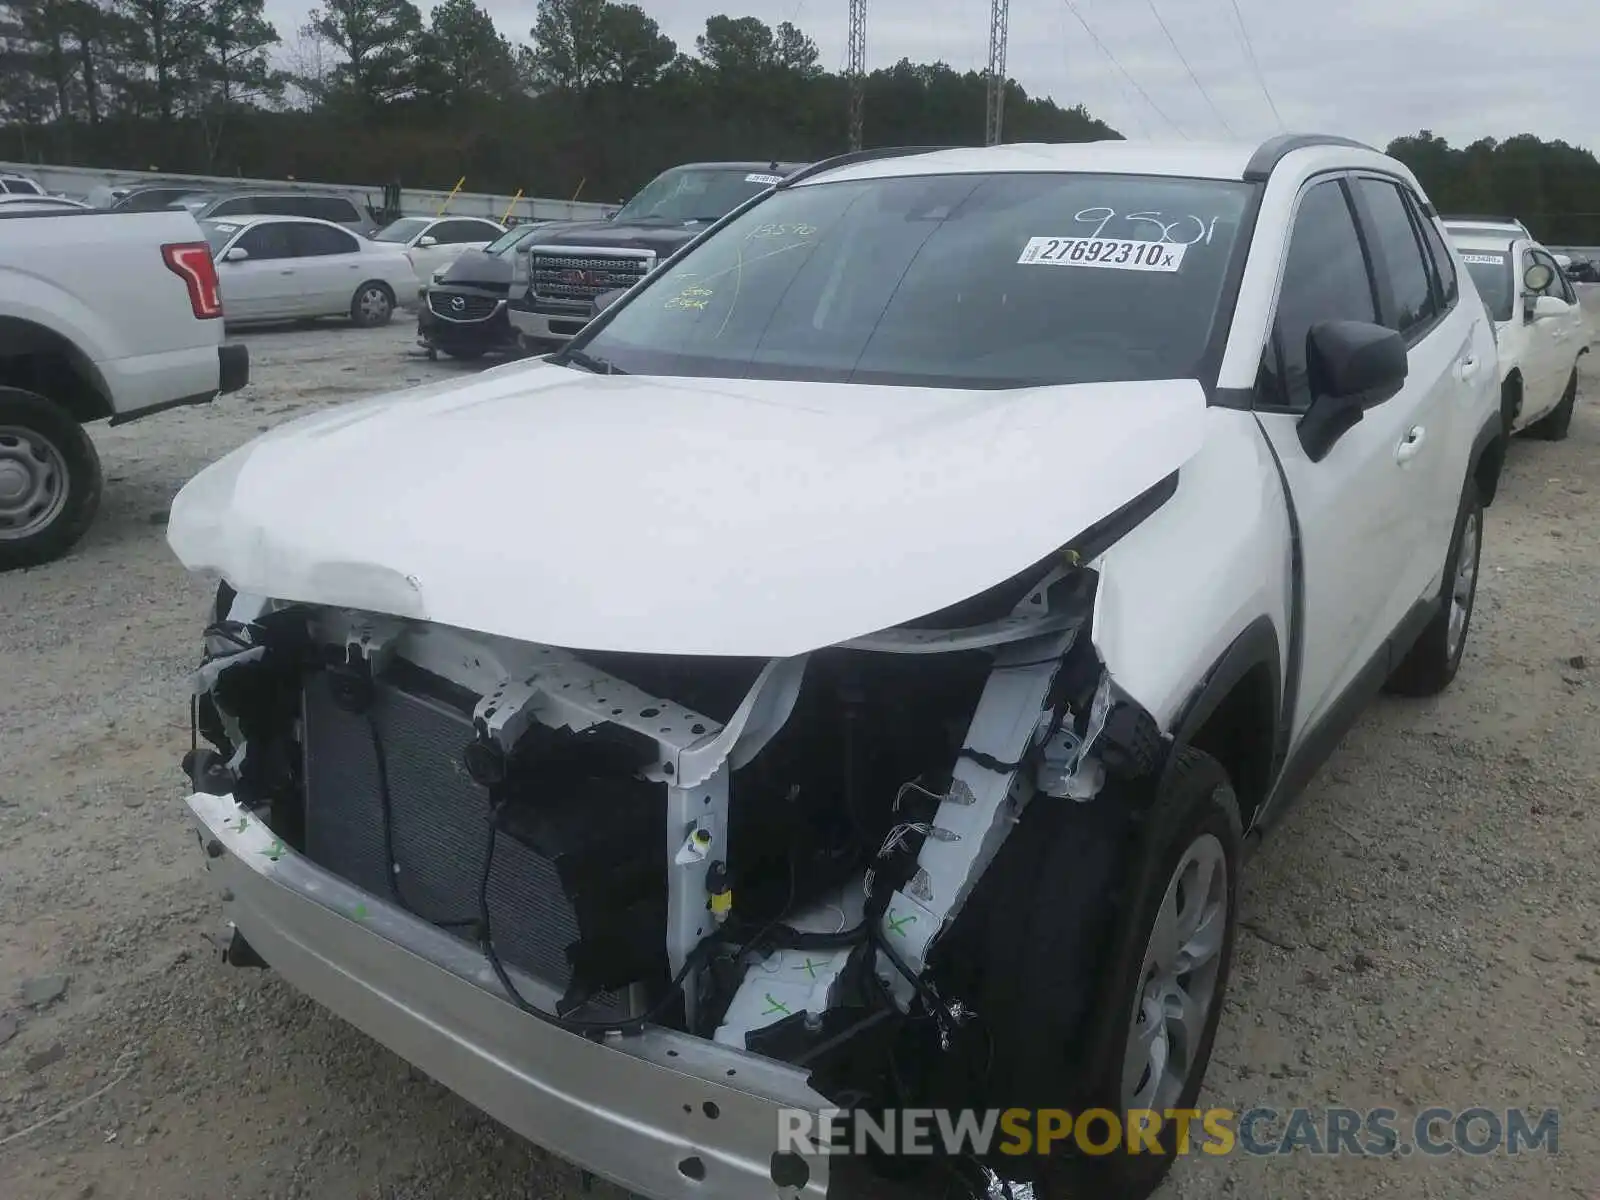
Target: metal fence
{"x":79,"y":182}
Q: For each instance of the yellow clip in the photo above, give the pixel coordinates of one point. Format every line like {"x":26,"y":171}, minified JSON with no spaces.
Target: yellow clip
{"x":722,"y":903}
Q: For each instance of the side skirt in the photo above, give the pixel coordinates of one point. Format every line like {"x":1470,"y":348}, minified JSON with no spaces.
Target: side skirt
{"x":1322,"y":739}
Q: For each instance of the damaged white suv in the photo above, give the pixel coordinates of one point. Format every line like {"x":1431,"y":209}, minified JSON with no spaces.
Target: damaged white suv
{"x":848,"y":675}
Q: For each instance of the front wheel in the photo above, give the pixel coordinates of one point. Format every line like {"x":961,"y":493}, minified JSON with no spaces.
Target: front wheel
{"x":50,"y":480}
{"x":372,"y":305}
{"x":1109,"y":995}
{"x":1435,"y":657}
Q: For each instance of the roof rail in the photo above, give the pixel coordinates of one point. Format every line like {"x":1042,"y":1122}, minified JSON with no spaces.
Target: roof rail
{"x":1490,"y":220}
{"x":858,"y":156}
{"x":1272,"y":151}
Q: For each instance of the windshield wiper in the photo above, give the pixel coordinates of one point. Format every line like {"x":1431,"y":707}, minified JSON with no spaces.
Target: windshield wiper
{"x":587,"y":361}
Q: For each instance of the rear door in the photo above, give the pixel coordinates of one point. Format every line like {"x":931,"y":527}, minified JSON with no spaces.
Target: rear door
{"x":1418,"y":297}
{"x":328,"y":262}
{"x":1355,"y":507}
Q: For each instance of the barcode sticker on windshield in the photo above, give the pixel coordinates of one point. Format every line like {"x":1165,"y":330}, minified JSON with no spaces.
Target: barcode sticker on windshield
{"x":769,"y":179}
{"x":1118,"y":254}
{"x":1493,"y":260}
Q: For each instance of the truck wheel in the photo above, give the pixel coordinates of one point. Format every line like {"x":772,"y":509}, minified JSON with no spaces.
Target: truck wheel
{"x":1435,"y":657}
{"x":1106,"y":990}
{"x":49,"y":480}
{"x":1553,"y":426}
{"x":372,"y":305}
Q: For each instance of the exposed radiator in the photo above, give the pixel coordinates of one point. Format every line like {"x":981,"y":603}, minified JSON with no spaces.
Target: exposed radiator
{"x":439,"y":826}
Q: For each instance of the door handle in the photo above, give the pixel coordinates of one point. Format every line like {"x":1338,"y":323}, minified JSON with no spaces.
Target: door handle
{"x":1467,"y":367}
{"x":1410,"y":444}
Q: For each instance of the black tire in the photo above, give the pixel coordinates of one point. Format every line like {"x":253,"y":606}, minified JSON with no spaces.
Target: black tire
{"x":1079,"y":886}
{"x":50,"y":480}
{"x":1553,"y":426}
{"x":1435,"y":657}
{"x":372,"y":305}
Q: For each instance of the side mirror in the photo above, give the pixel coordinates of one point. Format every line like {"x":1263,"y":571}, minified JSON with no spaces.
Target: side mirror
{"x":605,"y":300}
{"x":1537,"y":277}
{"x":236,"y":254}
{"x":426,"y":241}
{"x":1550,"y":306}
{"x":1351,"y":367}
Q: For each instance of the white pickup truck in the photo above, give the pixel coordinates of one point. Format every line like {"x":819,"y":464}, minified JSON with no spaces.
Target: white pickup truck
{"x":102,"y":315}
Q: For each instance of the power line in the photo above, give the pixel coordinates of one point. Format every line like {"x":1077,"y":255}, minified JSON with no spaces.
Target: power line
{"x":1250,"y":51}
{"x":1193,"y":78}
{"x":1112,"y":59}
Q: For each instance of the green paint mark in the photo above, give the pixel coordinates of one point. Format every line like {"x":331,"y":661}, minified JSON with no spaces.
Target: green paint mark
{"x":240,"y":825}
{"x":811,"y":968}
{"x":775,"y":1006}
{"x":897,"y":925}
{"x":359,"y":912}
{"x":275,"y":851}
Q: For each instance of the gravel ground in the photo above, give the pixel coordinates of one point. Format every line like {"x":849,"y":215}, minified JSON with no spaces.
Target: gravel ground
{"x":1420,"y":930}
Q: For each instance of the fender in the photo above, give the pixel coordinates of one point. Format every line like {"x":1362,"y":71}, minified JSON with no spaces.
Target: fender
{"x":1257,"y":645}
{"x":1488,"y":453}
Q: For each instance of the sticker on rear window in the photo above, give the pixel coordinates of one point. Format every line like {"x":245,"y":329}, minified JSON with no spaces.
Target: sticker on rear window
{"x":1493,"y":260}
{"x":1119,"y":254}
{"x":769,"y":179}
{"x":224,"y":228}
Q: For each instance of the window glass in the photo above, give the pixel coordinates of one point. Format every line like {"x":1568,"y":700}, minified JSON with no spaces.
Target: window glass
{"x":696,"y":195}
{"x":1444,"y":264}
{"x":330,"y":208}
{"x":309,"y":239}
{"x":1324,"y":279}
{"x":453,"y":233}
{"x":267,"y":241}
{"x":1399,"y":252}
{"x":961,"y":281}
{"x":1559,"y":288}
{"x":243,"y":206}
{"x":402,"y":230}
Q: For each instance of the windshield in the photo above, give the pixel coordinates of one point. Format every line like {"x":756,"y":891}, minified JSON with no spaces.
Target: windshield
{"x":402,"y":230}
{"x":1009,"y":280}
{"x":695,"y":194}
{"x":509,"y":239}
{"x":1492,"y":274}
{"x":217,"y":234}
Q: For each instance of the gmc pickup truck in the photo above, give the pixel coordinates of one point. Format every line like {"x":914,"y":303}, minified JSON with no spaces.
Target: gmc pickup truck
{"x":101,"y":316}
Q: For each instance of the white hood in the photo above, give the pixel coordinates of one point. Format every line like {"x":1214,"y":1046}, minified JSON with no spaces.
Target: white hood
{"x":675,"y":516}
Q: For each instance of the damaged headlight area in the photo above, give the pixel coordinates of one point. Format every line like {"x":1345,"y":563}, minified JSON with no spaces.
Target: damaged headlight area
{"x":765,"y":853}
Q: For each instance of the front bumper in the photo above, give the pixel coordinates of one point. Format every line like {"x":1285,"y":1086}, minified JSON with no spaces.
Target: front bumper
{"x":658,"y":1114}
{"x":546,"y":327}
{"x":493,"y":332}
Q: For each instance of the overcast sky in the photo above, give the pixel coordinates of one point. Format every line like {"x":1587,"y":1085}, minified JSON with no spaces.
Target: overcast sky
{"x":1370,"y":69}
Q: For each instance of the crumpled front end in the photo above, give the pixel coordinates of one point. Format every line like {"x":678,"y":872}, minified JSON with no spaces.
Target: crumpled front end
{"x":634,"y":904}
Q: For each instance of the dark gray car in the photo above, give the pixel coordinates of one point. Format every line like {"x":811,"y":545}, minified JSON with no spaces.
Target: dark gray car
{"x":576,"y":262}
{"x":325,"y":206}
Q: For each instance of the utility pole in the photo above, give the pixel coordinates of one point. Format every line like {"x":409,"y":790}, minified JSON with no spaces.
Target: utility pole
{"x":999,"y":19}
{"x":857,"y":68}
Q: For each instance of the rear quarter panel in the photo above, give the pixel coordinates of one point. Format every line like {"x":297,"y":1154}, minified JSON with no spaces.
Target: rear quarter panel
{"x":98,"y":280}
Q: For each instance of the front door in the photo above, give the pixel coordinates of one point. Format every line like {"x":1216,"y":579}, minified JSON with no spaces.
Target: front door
{"x":263,"y":286}
{"x":1355,"y":507}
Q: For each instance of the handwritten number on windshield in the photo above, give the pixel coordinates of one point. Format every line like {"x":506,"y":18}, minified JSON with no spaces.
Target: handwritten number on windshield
{"x":1184,"y":224}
